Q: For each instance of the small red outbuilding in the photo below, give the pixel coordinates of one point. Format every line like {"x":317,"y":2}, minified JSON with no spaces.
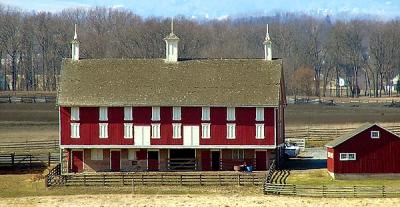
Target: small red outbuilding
{"x":369,"y":150}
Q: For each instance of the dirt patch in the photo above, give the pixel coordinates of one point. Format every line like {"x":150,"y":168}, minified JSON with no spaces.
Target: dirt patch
{"x":190,"y":200}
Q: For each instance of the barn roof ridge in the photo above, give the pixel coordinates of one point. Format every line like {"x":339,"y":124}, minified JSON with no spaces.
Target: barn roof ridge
{"x":348,"y":135}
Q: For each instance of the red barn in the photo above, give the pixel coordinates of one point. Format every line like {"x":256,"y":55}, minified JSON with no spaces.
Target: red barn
{"x":171,"y":114}
{"x":369,"y":150}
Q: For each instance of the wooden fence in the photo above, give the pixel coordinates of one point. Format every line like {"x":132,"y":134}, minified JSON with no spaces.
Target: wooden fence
{"x":29,"y":159}
{"x":318,"y":134}
{"x":27,"y":99}
{"x":29,"y":145}
{"x":331,"y":191}
{"x":142,"y":178}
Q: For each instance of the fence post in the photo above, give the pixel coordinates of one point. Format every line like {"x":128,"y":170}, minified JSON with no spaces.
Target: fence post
{"x":104,"y":180}
{"x":162,"y":179}
{"x":354,"y":191}
{"x":239,"y":179}
{"x":123,"y":179}
{"x":49,"y":160}
{"x":142,"y":180}
{"x":294,"y":190}
{"x":200,"y":180}
{"x":84,"y":180}
{"x":219,"y":178}
{"x":383,"y":191}
{"x":12,"y":158}
{"x":323,"y":191}
{"x":181,"y":180}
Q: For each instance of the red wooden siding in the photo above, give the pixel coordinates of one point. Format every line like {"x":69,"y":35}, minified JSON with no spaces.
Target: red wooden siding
{"x":245,"y":126}
{"x":372,"y":155}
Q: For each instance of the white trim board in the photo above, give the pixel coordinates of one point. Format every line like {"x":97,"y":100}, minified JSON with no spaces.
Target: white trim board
{"x":169,"y":147}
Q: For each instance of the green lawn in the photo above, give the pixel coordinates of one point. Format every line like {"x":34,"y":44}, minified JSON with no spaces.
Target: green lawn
{"x":321,"y":177}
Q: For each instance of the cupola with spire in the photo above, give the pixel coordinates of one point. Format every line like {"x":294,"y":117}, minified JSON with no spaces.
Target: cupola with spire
{"x":267,"y":47}
{"x":75,"y":47}
{"x":171,"y":49}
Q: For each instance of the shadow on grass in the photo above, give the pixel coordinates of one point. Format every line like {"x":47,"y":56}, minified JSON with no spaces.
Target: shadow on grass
{"x":305,"y":164}
{"x":22,"y":168}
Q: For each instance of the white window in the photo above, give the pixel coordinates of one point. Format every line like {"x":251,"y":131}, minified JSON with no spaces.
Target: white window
{"x":176,"y":130}
{"x":155,"y":131}
{"x":103,"y":116}
{"x":176,"y":113}
{"x":155,"y":113}
{"x":259,"y":114}
{"x":259,"y":131}
{"x":238,"y":154}
{"x":330,"y":155}
{"x":131,"y":154}
{"x":103,"y":130}
{"x":347,"y":156}
{"x":205,"y":130}
{"x":74,"y":113}
{"x":128,"y":113}
{"x":128,"y":128}
{"x":75,"y":130}
{"x":230,"y":114}
{"x":375,"y":134}
{"x":96,"y":154}
{"x":205,"y":113}
{"x":230,"y":131}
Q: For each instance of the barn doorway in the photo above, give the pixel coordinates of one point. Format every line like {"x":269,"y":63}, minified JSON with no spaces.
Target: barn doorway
{"x":152,"y":159}
{"x":77,"y":161}
{"x":115,"y":160}
{"x":215,"y":160}
{"x":182,"y":159}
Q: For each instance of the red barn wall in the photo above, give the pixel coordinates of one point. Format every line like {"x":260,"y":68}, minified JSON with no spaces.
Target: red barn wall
{"x":245,"y":126}
{"x":372,"y":155}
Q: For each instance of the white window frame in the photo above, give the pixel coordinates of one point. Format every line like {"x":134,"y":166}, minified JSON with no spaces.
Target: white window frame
{"x":103,"y":130}
{"x":155,"y":131}
{"x":155,"y":113}
{"x":238,"y":154}
{"x":230,"y":127}
{"x":375,"y":137}
{"x":103,"y":114}
{"x":75,"y":114}
{"x":260,"y":131}
{"x":128,"y":113}
{"x":230,"y":114}
{"x":128,"y":130}
{"x":176,"y":130}
{"x":96,"y":154}
{"x":259,"y":114}
{"x":176,"y":113}
{"x":75,"y":130}
{"x":205,"y":113}
{"x":132,"y":154}
{"x":346,"y":156}
{"x":205,"y":130}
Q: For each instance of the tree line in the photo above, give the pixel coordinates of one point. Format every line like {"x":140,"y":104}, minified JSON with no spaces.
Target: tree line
{"x":316,"y":51}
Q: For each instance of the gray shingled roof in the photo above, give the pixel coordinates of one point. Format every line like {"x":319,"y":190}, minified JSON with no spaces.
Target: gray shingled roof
{"x":152,"y":82}
{"x":351,"y":134}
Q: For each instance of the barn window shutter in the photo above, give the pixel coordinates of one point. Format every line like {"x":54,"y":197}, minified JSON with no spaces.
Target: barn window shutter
{"x":205,"y":130}
{"x":155,"y":131}
{"x":259,"y":114}
{"x":103,"y":130}
{"x":176,"y":113}
{"x":155,"y":113}
{"x":230,"y":114}
{"x":128,"y":113}
{"x":75,"y":130}
{"x":128,"y":128}
{"x":103,"y":114}
{"x":230,"y":131}
{"x":74,"y":113}
{"x":205,"y":113}
{"x":260,"y":131}
{"x":177,"y":129}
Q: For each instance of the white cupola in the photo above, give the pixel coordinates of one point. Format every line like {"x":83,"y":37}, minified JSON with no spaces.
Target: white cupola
{"x":171,"y":49}
{"x":267,"y":46}
{"x":75,"y":47}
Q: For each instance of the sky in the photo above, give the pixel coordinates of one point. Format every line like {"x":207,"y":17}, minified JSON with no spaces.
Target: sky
{"x":220,"y":9}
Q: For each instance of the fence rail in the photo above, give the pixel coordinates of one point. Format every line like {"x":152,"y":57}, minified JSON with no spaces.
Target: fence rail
{"x":29,"y":145}
{"x":29,"y":159}
{"x":134,"y":179}
{"x":331,"y":191}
